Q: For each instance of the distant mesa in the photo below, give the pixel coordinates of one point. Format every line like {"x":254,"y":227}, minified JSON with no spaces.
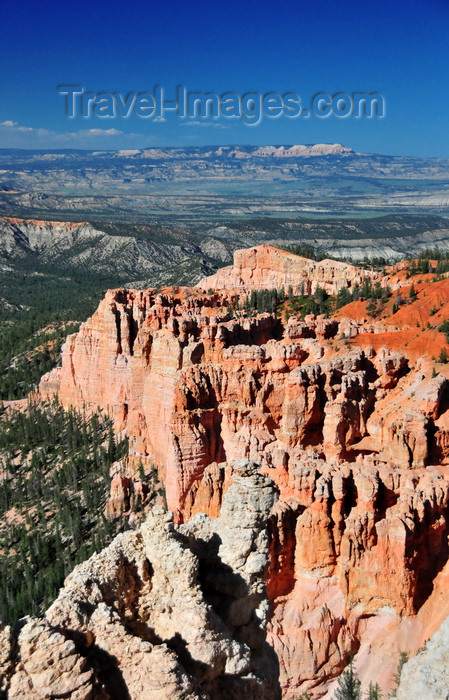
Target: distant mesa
{"x":236,"y":152}
{"x":317,"y":149}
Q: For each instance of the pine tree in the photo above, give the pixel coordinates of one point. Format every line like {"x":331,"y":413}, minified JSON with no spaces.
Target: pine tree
{"x":320,"y":296}
{"x":374,"y":692}
{"x":348,"y":685}
{"x":443,"y":356}
{"x":397,"y":676}
{"x":371,"y":308}
{"x":343,"y":297}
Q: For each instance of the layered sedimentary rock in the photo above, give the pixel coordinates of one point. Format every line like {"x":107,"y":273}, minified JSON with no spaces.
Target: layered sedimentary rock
{"x":354,"y":433}
{"x":267,"y":267}
{"x":163,"y":612}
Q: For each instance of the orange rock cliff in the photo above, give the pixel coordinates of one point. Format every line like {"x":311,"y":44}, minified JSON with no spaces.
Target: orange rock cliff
{"x":268,"y":267}
{"x":349,"y":417}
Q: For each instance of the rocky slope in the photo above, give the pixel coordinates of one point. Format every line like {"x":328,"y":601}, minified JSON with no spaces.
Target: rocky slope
{"x":184,"y":253}
{"x":349,"y":417}
{"x":84,"y":246}
{"x":163,"y":612}
{"x":390,"y":246}
{"x":427,"y":675}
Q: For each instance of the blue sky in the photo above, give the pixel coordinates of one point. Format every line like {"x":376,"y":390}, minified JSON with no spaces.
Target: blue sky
{"x":399,"y":49}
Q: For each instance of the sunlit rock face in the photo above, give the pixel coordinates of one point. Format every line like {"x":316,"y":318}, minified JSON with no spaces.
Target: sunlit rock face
{"x":348,"y":419}
{"x":267,"y":267}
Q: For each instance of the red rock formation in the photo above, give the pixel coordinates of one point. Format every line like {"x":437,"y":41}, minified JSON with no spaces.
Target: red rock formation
{"x":68,"y":225}
{"x":119,"y":499}
{"x":353,"y":429}
{"x":267,"y":267}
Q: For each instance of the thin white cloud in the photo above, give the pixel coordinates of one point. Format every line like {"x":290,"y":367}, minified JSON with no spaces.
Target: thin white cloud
{"x":11,"y":127}
{"x":197,"y":123}
{"x":14,"y":134}
{"x":15,"y":126}
{"x":95,"y":132}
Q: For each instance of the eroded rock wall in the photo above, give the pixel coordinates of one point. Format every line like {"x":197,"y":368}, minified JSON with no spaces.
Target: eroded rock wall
{"x":355,"y":438}
{"x":267,"y":267}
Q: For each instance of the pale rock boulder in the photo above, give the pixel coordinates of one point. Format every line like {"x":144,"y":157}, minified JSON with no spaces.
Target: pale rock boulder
{"x":49,"y":666}
{"x":427,"y":674}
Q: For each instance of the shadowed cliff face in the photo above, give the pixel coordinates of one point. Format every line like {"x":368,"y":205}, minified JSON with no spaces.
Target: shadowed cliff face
{"x":355,"y":438}
{"x":163,"y":612}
